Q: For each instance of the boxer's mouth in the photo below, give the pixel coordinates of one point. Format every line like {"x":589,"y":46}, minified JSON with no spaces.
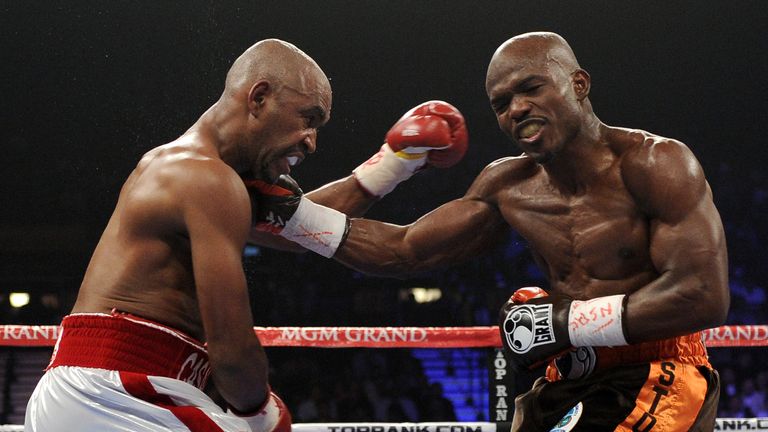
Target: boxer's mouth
{"x":529,"y":130}
{"x":294,"y":159}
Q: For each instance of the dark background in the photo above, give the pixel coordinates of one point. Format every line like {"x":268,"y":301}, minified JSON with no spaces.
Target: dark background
{"x":86,"y":87}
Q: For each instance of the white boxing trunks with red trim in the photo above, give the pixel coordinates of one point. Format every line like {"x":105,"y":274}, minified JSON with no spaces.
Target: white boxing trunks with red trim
{"x":118,"y":372}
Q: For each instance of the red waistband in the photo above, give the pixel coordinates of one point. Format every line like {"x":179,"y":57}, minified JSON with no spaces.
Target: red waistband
{"x":129,"y":343}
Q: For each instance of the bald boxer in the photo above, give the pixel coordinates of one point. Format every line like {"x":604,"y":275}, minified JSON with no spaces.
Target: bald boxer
{"x":623,"y":225}
{"x":163,"y":304}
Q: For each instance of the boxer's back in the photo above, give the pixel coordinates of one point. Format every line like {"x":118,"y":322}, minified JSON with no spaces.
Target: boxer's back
{"x":142,"y":263}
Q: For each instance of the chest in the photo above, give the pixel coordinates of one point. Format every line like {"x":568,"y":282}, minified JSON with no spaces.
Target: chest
{"x":599,"y":234}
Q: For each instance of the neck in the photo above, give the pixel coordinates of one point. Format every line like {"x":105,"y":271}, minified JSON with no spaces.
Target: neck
{"x":219,"y":127}
{"x":582,"y":158}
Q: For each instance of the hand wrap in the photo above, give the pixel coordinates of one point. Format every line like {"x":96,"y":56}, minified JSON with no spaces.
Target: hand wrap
{"x":282,"y":209}
{"x":536,"y":328}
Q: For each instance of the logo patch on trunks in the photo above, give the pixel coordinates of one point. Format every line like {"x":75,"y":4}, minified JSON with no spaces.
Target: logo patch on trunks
{"x":527,"y":326}
{"x":569,"y":421}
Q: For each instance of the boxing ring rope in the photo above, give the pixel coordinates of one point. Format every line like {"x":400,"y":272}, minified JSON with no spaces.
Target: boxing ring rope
{"x":386,"y":337}
{"x":406,"y":337}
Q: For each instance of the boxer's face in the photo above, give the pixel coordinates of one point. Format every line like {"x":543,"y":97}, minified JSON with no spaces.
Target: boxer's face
{"x":534,"y":102}
{"x":291,"y":120}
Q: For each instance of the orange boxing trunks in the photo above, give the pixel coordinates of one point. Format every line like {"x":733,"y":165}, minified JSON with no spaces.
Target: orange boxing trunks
{"x":665,"y":385}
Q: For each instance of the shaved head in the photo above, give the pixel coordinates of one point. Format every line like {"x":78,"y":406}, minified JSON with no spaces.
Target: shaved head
{"x":539,"y":93}
{"x":279,"y":62}
{"x":542,"y":49}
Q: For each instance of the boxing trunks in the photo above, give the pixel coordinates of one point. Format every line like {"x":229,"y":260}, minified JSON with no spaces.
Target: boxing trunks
{"x":659,"y":386}
{"x":119,"y":372}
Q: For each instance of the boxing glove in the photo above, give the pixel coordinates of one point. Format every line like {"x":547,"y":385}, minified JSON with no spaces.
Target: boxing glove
{"x":282,"y":209}
{"x":272,"y":416}
{"x":431,"y":133}
{"x":272,"y":204}
{"x":536,"y":327}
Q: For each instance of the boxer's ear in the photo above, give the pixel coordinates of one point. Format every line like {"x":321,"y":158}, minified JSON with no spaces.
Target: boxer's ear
{"x":582,"y":83}
{"x":256,"y":96}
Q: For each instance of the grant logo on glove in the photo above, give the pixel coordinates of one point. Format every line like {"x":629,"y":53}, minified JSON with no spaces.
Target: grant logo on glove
{"x":528,"y":326}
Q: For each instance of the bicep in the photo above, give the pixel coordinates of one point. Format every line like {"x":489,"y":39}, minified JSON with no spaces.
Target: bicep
{"x":687,"y":247}
{"x":686,"y":232}
{"x":690,"y":258}
{"x":456,"y":231}
{"x":691,"y":246}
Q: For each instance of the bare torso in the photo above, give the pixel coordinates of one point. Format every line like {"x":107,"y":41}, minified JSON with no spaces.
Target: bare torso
{"x":142,"y":264}
{"x":590,"y":242}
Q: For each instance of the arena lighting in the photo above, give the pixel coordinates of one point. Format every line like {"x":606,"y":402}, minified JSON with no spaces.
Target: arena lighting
{"x":251,"y":251}
{"x":19,"y":299}
{"x":426,"y":295}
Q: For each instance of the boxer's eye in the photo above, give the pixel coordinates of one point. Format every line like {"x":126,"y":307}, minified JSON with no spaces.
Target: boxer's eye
{"x":531,"y":90}
{"x":500,"y":105}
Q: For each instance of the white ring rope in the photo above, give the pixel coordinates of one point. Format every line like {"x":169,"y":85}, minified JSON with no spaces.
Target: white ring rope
{"x":722,"y":424}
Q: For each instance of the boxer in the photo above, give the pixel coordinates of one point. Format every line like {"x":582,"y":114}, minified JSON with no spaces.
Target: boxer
{"x":623,"y":225}
{"x":163,"y":304}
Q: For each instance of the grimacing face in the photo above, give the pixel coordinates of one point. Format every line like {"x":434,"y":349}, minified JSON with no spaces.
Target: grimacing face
{"x":290,"y":130}
{"x":535,"y":104}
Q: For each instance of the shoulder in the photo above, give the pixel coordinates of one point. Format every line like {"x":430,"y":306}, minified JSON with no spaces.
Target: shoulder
{"x":501,"y":175}
{"x":504,"y":173}
{"x":662,"y":173}
{"x":195,"y":179}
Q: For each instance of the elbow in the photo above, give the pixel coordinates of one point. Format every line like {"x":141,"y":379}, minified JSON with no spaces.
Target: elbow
{"x":710,"y":306}
{"x":720,"y":307}
{"x":409,"y":263}
{"x":395,"y":268}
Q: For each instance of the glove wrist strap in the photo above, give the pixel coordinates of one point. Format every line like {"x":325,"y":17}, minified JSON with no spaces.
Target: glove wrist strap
{"x":265,"y":418}
{"x":597,"y":322}
{"x":380,"y":174}
{"x":317,"y":228}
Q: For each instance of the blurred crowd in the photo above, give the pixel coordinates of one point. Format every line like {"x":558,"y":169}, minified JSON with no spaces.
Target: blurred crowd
{"x":357,"y":385}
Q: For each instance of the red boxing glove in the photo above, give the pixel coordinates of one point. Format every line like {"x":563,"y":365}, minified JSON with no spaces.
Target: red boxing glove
{"x":272,"y":416}
{"x":432,"y":133}
{"x":436,"y":127}
{"x":522,"y":295}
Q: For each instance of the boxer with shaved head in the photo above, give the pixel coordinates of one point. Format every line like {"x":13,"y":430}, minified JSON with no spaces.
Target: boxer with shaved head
{"x":164,"y":304}
{"x":623,"y":225}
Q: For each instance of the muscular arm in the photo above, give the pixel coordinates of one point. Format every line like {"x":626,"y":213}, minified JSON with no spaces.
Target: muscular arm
{"x":344,"y":195}
{"x":454,"y":232}
{"x":687,"y":246}
{"x":431,"y":133}
{"x":217,"y":217}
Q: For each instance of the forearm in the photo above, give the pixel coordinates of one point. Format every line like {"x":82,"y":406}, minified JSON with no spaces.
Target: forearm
{"x":240,"y":373}
{"x":453,"y":233}
{"x":691,"y":292}
{"x":675,"y":305}
{"x":377,"y":248}
{"x":344,"y":195}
